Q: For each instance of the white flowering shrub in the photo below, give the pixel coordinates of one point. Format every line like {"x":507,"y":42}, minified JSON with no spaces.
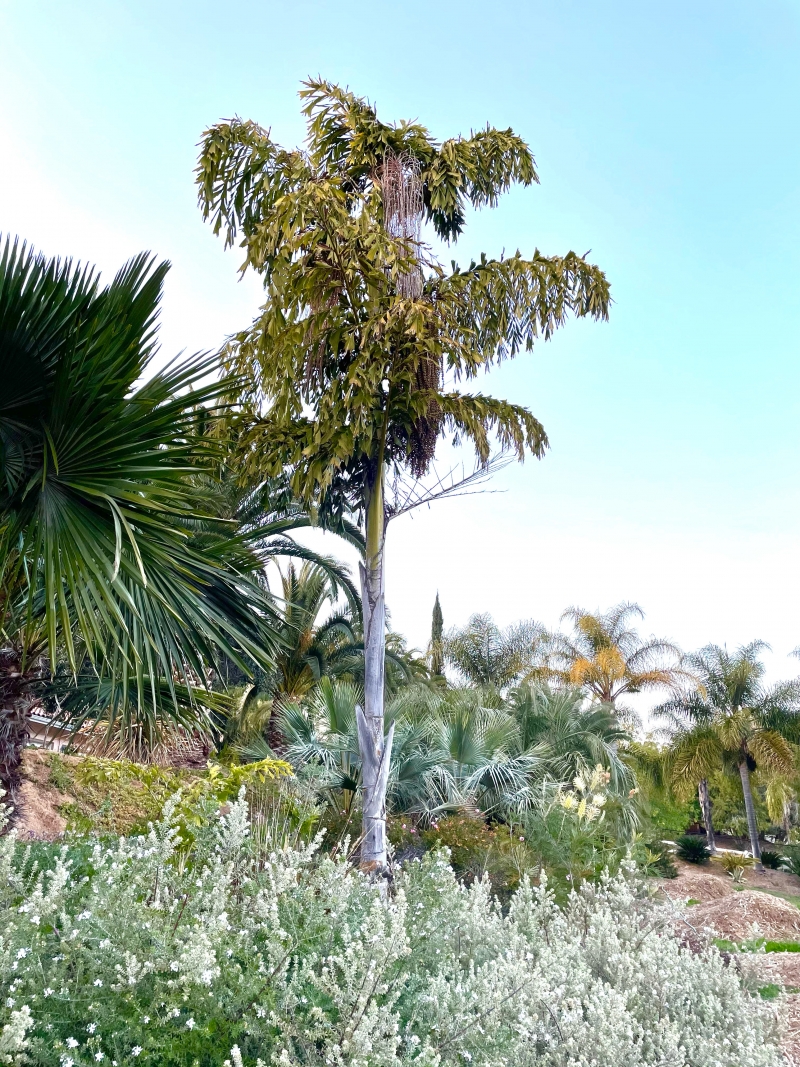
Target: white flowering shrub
{"x":149,"y":952}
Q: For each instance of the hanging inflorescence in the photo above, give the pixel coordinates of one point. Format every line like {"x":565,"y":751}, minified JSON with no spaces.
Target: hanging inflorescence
{"x":401,"y":192}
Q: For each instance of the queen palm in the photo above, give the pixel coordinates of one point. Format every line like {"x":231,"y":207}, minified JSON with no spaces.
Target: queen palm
{"x":734,"y":723}
{"x":98,"y":501}
{"x":605,"y":656}
{"x":364,"y":334}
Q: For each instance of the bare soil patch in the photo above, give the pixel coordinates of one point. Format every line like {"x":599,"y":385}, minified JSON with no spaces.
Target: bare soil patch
{"x":38,"y":815}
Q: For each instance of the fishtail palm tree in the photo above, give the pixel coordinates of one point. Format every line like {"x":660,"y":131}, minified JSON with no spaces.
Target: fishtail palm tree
{"x":364,"y":336}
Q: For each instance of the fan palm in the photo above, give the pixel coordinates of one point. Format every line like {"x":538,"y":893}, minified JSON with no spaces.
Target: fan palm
{"x":264,"y":510}
{"x":570,"y":732}
{"x":733,"y":722}
{"x":461,"y":749}
{"x":98,"y":499}
{"x":606,"y":657}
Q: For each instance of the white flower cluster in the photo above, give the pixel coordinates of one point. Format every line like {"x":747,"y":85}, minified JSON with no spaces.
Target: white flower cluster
{"x":144,"y":953}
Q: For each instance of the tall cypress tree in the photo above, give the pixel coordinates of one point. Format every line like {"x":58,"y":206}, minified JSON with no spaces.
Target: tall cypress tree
{"x":437,"y":648}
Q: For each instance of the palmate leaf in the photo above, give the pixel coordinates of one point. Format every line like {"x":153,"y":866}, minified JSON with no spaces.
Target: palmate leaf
{"x":100,"y":513}
{"x":105,"y":706}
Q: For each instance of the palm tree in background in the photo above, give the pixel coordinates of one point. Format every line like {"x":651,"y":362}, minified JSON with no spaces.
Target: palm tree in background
{"x":483,"y":654}
{"x":98,"y":501}
{"x":734,"y":723}
{"x":460,"y":749}
{"x":605,"y":656}
{"x":572,"y":731}
{"x":311,"y":643}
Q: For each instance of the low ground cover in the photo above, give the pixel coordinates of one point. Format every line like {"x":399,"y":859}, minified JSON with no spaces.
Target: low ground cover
{"x":158,"y":950}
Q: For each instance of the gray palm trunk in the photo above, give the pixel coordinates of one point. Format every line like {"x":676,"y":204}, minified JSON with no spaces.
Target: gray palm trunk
{"x":789,"y":814}
{"x":749,"y":807}
{"x":706,"y":808}
{"x":375,"y":748}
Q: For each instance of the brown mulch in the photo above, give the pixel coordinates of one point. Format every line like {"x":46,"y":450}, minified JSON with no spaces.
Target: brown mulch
{"x":694,"y":883}
{"x":790,"y":1043}
{"x":746,"y":915}
{"x":710,"y":882}
{"x":780,"y":968}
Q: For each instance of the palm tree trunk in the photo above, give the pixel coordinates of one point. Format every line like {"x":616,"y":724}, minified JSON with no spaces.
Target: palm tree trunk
{"x":749,"y":807}
{"x":14,"y":726}
{"x":374,"y":748}
{"x":786,"y":822}
{"x":275,"y":736}
{"x":705,"y":807}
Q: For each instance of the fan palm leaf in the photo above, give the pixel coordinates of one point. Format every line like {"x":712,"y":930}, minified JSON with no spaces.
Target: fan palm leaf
{"x":97,"y":493}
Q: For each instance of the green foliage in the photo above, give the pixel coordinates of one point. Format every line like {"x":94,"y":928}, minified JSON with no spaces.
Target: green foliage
{"x":733,"y":862}
{"x":669,"y":815}
{"x":162,"y":953}
{"x":436,"y":650}
{"x":770,"y":859}
{"x":483,"y":654}
{"x":656,"y":860}
{"x":576,"y":833}
{"x":725,"y":790}
{"x":455,"y":748}
{"x":478,"y":850}
{"x":730,"y":722}
{"x":109,"y":796}
{"x":693,"y":849}
{"x":111,"y":562}
{"x":791,"y":860}
{"x":771,"y":991}
{"x":674,"y":816}
{"x":349,"y":354}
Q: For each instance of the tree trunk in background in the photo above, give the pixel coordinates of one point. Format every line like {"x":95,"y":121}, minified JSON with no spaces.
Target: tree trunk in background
{"x":705,"y":807}
{"x":749,"y":807}
{"x":14,"y":725}
{"x":275,"y":737}
{"x":374,"y":748}
{"x":789,"y":807}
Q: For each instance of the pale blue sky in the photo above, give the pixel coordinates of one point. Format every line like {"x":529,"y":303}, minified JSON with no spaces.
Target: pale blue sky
{"x":667,"y":143}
